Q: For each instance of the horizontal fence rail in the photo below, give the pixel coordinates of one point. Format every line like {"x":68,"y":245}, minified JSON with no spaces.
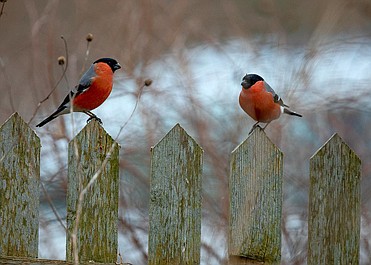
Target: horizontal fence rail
{"x":255,"y":194}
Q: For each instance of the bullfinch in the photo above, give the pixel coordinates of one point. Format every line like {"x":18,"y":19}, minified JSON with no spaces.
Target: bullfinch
{"x":260,"y":101}
{"x":93,"y":89}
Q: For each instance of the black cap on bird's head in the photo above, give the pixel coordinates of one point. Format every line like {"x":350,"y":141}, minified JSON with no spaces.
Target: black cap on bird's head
{"x":250,"y":79}
{"x":111,"y":62}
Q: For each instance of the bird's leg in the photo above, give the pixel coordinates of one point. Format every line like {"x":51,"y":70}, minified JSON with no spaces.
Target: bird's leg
{"x":266,"y":126}
{"x":92,"y":116}
{"x":253,"y":127}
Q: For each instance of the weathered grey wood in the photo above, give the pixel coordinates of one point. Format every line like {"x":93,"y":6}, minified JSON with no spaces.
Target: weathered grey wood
{"x":255,"y":187}
{"x":175,"y":206}
{"x":334,"y":205}
{"x":35,"y":261}
{"x":19,"y":188}
{"x":97,"y":229}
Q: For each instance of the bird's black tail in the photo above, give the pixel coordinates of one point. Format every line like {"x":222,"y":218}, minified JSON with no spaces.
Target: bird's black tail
{"x":51,"y":117}
{"x":287,"y":111}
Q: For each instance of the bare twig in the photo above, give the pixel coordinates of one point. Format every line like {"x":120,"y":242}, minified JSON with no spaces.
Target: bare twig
{"x":146,"y":83}
{"x":53,"y":207}
{"x":56,"y":85}
{"x":2,"y":7}
{"x":134,"y":238}
{"x":89,"y":39}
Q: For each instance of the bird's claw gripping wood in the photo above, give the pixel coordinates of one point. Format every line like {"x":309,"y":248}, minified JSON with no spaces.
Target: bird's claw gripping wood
{"x":94,"y":118}
{"x":253,"y":127}
{"x":257,"y":125}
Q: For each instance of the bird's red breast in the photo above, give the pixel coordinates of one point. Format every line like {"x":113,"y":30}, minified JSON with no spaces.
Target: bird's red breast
{"x":259,"y":104}
{"x":99,"y":89}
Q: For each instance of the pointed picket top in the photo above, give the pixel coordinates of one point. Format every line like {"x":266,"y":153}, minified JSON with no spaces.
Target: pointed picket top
{"x":334,"y":204}
{"x":257,"y":136}
{"x":97,"y":229}
{"x":94,"y":127}
{"x":255,"y":183}
{"x":19,"y":188}
{"x":176,"y":131}
{"x":334,"y":145}
{"x":16,"y":122}
{"x":14,"y":118}
{"x":175,"y":206}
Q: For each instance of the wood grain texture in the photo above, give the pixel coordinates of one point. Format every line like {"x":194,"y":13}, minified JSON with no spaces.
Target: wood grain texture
{"x":19,"y":188}
{"x":97,"y":231}
{"x":255,"y":187}
{"x":175,"y":200}
{"x":10,"y":260}
{"x":334,"y":205}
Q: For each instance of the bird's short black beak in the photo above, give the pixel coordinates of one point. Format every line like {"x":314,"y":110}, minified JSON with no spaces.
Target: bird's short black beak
{"x":245,"y":84}
{"x":116,"y":66}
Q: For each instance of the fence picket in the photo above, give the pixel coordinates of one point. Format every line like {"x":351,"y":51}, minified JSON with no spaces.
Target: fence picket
{"x":255,"y":188}
{"x":19,"y":188}
{"x":334,"y":205}
{"x":97,"y":236}
{"x":175,"y":206}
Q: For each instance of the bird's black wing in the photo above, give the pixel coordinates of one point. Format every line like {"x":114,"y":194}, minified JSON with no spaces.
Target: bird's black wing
{"x":85,"y":81}
{"x":83,"y":85}
{"x":276,"y":97}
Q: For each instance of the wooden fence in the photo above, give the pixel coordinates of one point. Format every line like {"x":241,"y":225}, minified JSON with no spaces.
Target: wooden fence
{"x":255,"y":188}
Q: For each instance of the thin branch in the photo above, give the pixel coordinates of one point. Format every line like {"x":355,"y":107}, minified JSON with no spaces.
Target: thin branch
{"x":52,"y":206}
{"x":135,"y":239}
{"x":56,"y":85}
{"x":2,"y":7}
{"x":89,"y":39}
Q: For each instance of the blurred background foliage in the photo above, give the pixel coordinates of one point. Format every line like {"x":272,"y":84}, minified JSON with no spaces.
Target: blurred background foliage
{"x":315,"y":54}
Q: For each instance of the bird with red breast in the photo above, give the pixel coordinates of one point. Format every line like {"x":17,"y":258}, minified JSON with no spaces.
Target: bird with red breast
{"x":93,"y":89}
{"x":261,"y":102}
